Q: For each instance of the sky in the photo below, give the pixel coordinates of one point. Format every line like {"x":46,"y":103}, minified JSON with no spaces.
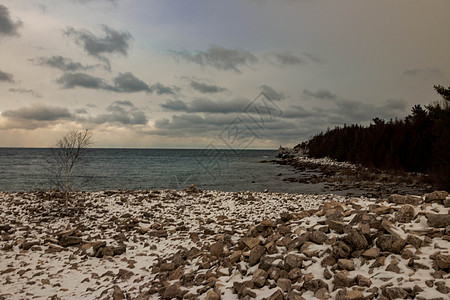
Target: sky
{"x":226,"y":74}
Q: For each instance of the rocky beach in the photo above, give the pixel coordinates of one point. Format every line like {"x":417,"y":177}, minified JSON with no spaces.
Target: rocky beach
{"x":195,"y":244}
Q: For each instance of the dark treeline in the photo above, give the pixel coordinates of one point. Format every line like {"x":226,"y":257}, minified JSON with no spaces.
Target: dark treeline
{"x":418,"y":143}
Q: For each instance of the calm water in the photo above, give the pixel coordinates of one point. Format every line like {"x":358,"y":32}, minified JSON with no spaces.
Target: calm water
{"x":23,"y":169}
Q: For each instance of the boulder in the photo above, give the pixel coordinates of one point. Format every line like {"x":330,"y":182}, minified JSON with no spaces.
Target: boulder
{"x":438,"y":220}
{"x":435,"y":196}
{"x":67,"y":240}
{"x":255,"y":255}
{"x":405,"y":214}
{"x":356,"y":240}
{"x":259,"y":278}
{"x":390,"y":243}
{"x":216,"y":249}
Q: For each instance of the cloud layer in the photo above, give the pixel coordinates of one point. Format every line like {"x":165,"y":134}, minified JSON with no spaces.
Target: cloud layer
{"x":8,"y":27}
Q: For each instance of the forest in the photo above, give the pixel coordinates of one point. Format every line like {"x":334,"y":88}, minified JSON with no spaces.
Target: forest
{"x":418,"y":143}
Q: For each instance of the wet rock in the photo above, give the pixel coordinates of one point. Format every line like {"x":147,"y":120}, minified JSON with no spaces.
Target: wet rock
{"x":405,"y":214}
{"x":438,"y":220}
{"x":390,"y":243}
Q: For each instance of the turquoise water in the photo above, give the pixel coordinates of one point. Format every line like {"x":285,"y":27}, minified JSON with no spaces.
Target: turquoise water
{"x":25,"y":169}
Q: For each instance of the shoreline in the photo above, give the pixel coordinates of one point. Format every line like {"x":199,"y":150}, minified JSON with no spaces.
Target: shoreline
{"x":343,"y":176}
{"x":195,"y":244}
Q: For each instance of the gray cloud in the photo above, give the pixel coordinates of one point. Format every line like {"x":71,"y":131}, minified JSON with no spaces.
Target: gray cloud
{"x":286,"y":58}
{"x":73,"y":80}
{"x":7,"y":25}
{"x":271,"y":93}
{"x":204,"y":105}
{"x":6,"y":77}
{"x":314,"y":58}
{"x":128,"y":83}
{"x":123,"y":83}
{"x":62,"y":63}
{"x":97,"y":46}
{"x":163,"y":90}
{"x":25,"y":91}
{"x":206,"y":88}
{"x":123,"y":112}
{"x":219,"y":58}
{"x":38,"y":112}
{"x":427,"y":72}
{"x":175,"y":105}
{"x":321,"y":94}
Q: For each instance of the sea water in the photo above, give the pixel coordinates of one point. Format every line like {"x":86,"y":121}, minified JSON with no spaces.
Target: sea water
{"x":26,"y":169}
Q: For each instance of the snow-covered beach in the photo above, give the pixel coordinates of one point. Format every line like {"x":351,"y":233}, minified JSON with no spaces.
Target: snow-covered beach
{"x":221,"y":245}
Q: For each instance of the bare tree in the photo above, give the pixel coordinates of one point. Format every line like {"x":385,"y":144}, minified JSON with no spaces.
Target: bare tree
{"x":66,"y":160}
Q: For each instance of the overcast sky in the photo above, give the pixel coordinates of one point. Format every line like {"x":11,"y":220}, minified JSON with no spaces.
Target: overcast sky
{"x":237,"y":73}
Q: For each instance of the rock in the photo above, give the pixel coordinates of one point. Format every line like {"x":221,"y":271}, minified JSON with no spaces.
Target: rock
{"x":159,"y":233}
{"x":255,"y":254}
{"x":435,"y":196}
{"x":363,"y":281}
{"x":216,"y":249}
{"x":378,"y":262}
{"x":356,"y":240}
{"x":294,"y":274}
{"x":346,"y":264}
{"x":67,"y":240}
{"x":235,"y":257}
{"x":122,"y":248}
{"x":405,"y":214}
{"x":442,"y":261}
{"x":393,"y":268}
{"x":438,"y":220}
{"x":441,"y":287}
{"x":211,"y":295}
{"x":5,"y":227}
{"x":371,"y":253}
{"x":118,"y":293}
{"x":277,"y":295}
{"x":404,"y":199}
{"x":314,"y":285}
{"x":292,"y":261}
{"x":414,"y":241}
{"x":446,"y":202}
{"x":294,"y":295}
{"x":284,"y":284}
{"x":172,"y":291}
{"x":28,"y":245}
{"x":286,"y":217}
{"x":250,"y":242}
{"x":349,"y":295}
{"x":341,"y":250}
{"x":337,"y":226}
{"x":318,"y":237}
{"x":394,"y":293}
{"x":108,"y":251}
{"x":341,"y":280}
{"x":259,"y":278}
{"x":322,"y":294}
{"x":390,"y":243}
